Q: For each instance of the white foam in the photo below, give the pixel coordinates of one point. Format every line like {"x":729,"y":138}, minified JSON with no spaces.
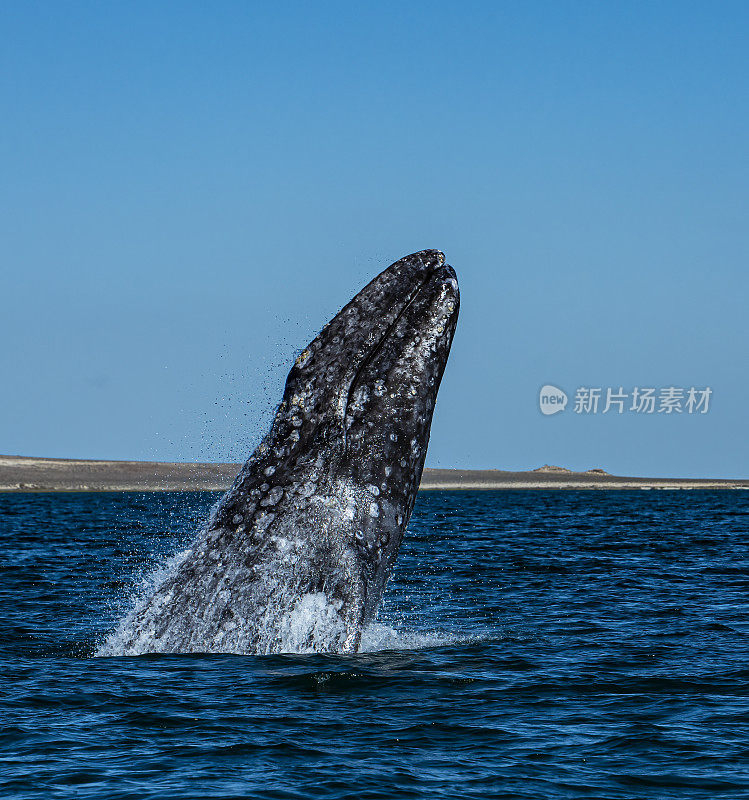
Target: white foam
{"x":311,"y":624}
{"x":116,"y":642}
{"x":379,"y":636}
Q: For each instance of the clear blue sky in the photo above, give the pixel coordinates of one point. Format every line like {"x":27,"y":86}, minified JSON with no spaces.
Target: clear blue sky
{"x":190,"y":190}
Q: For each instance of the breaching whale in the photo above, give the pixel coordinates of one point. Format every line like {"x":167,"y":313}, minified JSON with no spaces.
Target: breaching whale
{"x":298,"y":551}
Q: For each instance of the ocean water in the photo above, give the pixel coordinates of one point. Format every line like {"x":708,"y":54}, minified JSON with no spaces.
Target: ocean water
{"x":530,"y":645}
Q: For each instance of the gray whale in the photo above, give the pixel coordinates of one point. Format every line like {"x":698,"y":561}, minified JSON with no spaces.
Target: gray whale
{"x":297,"y":553}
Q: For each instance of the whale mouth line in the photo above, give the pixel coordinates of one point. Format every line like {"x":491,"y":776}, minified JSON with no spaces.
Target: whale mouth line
{"x":376,"y":348}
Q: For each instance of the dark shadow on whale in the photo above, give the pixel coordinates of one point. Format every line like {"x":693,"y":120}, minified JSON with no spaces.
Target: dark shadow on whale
{"x":299,"y":550}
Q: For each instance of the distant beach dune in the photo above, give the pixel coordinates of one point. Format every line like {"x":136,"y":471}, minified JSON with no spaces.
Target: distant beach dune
{"x":26,"y":474}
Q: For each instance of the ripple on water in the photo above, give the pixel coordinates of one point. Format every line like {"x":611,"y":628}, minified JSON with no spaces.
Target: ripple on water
{"x":531,"y":645}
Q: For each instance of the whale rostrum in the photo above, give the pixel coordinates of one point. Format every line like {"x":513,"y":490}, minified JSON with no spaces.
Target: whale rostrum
{"x":298,"y":551}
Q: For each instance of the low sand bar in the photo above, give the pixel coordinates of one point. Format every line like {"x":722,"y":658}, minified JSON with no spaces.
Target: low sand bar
{"x":24,"y":474}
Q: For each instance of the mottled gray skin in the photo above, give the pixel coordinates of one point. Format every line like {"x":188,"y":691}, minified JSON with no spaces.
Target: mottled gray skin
{"x":299,"y":550}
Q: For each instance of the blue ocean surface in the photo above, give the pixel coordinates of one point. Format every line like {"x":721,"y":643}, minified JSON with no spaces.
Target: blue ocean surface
{"x":530,"y":645}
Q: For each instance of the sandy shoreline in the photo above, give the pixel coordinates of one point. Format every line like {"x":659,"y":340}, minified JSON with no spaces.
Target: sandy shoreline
{"x":26,"y":474}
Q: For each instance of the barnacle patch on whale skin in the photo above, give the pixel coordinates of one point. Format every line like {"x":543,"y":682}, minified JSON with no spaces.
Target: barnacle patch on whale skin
{"x":303,"y":358}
